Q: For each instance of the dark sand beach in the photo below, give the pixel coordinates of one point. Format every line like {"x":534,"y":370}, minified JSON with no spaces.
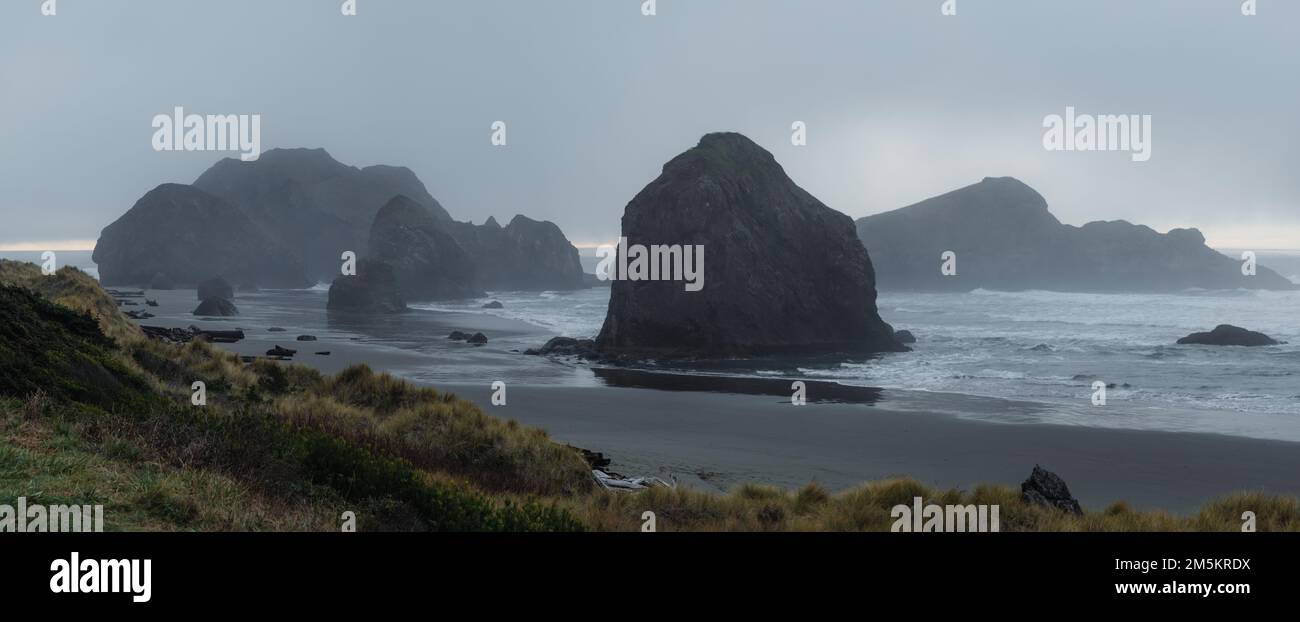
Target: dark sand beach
{"x":721,"y":440}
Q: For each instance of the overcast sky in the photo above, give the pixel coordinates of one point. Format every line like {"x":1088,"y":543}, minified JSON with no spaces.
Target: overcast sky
{"x":901,"y":102}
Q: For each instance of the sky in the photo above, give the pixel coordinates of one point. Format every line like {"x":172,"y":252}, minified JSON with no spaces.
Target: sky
{"x":900,"y":102}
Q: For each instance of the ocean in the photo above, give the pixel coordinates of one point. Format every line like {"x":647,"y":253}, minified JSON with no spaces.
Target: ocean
{"x":1011,"y":357}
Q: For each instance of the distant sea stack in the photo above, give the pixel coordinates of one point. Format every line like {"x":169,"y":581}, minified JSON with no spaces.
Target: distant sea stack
{"x":182,"y":235}
{"x":308,"y":208}
{"x":427,"y":262}
{"x":1004,"y":238}
{"x":524,"y":255}
{"x":783,"y":273}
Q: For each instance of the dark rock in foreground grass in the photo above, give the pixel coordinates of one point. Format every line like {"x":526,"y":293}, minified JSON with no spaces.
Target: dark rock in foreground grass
{"x":904,"y":336}
{"x":785,"y":273}
{"x":1228,"y":335}
{"x":373,"y":289}
{"x":216,"y":307}
{"x":1047,"y":489}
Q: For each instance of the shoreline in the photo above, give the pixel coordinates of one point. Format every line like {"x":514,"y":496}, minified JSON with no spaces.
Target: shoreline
{"x":716,"y":441}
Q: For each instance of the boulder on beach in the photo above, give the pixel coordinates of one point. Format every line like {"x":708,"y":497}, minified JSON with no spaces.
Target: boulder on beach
{"x":458,"y":336}
{"x":495,"y":304}
{"x":1047,"y":489}
{"x":373,"y":289}
{"x":477,"y":339}
{"x":216,"y":307}
{"x":565,"y":346}
{"x":782,"y":272}
{"x":306,"y":337}
{"x":1228,"y":335}
{"x":215,"y":287}
{"x":279,"y":351}
{"x":904,"y":336}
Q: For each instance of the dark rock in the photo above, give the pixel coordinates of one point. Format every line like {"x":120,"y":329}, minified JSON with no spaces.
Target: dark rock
{"x":495,"y":304}
{"x":1228,"y":335}
{"x":904,"y":336}
{"x":477,"y":339}
{"x":314,"y":204}
{"x":428,"y":262}
{"x":326,"y":353}
{"x":215,"y":287}
{"x":152,"y":303}
{"x":189,"y":235}
{"x":565,"y":346}
{"x":1047,"y":489}
{"x":458,"y":336}
{"x":306,"y":338}
{"x":524,"y":255}
{"x":785,"y":273}
{"x":216,"y":307}
{"x":139,"y":315}
{"x":373,"y":289}
{"x":279,"y":351}
{"x":275,"y":329}
{"x":1006,"y":239}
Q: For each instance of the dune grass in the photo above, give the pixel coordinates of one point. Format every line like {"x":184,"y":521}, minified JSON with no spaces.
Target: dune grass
{"x":95,"y":413}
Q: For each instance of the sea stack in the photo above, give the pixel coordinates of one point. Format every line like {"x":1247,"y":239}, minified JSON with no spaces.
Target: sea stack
{"x":373,"y":289}
{"x":428,"y":263}
{"x":782,"y":273}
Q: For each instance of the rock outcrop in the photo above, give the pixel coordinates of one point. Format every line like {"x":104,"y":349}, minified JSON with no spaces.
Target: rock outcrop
{"x":784,"y":273}
{"x":1047,"y":489}
{"x":1229,"y":335}
{"x":373,"y":289}
{"x":524,"y":255}
{"x":215,"y":287}
{"x":216,"y":307}
{"x":1005,"y":238}
{"x":303,"y":209}
{"x":428,"y":263}
{"x":315,"y":204}
{"x":189,"y":235}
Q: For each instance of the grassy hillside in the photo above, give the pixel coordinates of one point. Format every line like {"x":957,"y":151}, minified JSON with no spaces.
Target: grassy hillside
{"x":92,"y":412}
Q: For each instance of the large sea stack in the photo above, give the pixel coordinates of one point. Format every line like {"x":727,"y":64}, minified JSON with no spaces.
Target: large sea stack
{"x":308,"y":208}
{"x":427,"y":262}
{"x":188,"y":235}
{"x":783,"y":272}
{"x":1005,"y":238}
